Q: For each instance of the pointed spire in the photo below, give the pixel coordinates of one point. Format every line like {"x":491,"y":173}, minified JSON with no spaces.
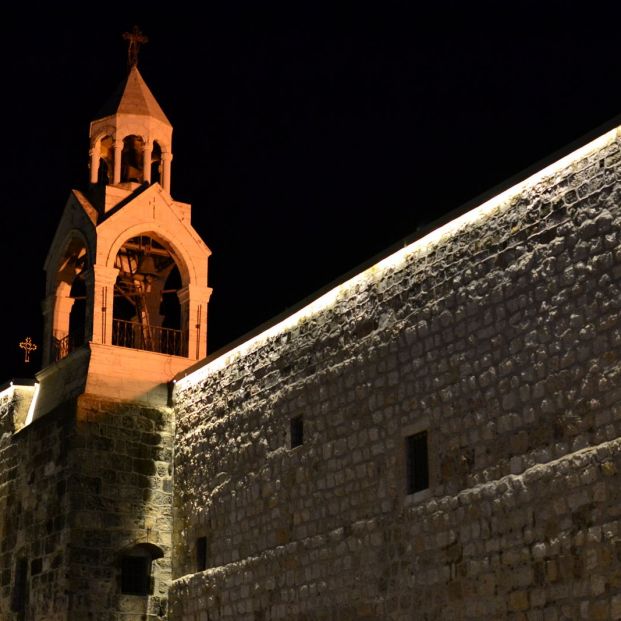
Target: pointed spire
{"x":131,"y":137}
{"x":133,"y":96}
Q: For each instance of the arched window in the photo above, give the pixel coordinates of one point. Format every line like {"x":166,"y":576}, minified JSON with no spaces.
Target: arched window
{"x":69,"y":320}
{"x":136,"y":569}
{"x":147,"y":313}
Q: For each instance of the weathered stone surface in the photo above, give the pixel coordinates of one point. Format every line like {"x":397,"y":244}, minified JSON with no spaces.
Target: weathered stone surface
{"x":71,"y":503}
{"x":503,"y":342}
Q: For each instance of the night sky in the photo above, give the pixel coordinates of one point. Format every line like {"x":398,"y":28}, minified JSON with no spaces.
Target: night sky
{"x":307,"y":140}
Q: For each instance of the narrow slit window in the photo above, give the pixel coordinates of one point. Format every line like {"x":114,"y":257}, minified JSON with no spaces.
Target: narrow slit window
{"x":417,"y":462}
{"x":20,"y":586}
{"x":296,"y":431}
{"x":201,"y":554}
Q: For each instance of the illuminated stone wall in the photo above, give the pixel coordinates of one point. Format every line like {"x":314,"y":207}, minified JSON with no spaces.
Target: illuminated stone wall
{"x":79,"y":487}
{"x":121,"y":496}
{"x":503,"y":341}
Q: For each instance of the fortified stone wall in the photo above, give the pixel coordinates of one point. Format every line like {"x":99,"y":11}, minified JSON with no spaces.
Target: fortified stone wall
{"x":502,"y":341}
{"x":80,"y":487}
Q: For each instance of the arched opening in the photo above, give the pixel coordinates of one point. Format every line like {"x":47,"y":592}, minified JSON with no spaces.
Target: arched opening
{"x":156,"y":163}
{"x":147,"y":313}
{"x":69,"y":323}
{"x":132,"y":158}
{"x":106,"y":160}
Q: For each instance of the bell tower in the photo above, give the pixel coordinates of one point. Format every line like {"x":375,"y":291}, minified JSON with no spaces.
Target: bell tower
{"x":87,"y":517}
{"x":126,"y":273}
{"x":131,"y":138}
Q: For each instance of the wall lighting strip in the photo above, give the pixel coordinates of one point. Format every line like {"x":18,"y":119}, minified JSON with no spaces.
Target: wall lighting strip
{"x":33,"y":405}
{"x":419,"y":247}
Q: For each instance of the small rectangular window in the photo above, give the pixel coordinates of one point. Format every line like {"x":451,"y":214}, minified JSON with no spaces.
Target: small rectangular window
{"x":296,"y":431}
{"x":136,"y":575}
{"x":417,"y":462}
{"x":201,"y":554}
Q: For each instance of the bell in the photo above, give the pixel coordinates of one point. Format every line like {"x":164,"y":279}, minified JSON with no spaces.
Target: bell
{"x":147,"y":267}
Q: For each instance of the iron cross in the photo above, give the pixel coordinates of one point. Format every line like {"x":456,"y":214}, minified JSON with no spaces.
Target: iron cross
{"x":136,"y":39}
{"x":28,"y":346}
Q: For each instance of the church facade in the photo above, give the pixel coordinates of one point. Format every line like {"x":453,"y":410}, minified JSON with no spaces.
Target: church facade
{"x":436,"y":437}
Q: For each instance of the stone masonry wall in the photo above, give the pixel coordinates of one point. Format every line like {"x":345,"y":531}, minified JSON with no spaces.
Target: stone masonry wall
{"x":503,"y":342}
{"x":79,"y":487}
{"x":34,"y":513}
{"x":121,"y":496}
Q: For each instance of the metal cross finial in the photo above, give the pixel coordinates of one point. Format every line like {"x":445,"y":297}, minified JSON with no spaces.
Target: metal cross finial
{"x":28,"y":346}
{"x":136,"y":39}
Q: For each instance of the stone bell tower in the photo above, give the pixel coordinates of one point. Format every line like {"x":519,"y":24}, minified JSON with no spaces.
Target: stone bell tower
{"x":87,"y":512}
{"x":126,"y":273}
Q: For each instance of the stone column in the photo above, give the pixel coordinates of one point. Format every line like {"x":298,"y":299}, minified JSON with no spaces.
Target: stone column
{"x":95,"y":154}
{"x":118,"y":150}
{"x":194,"y":300}
{"x":103,"y":279}
{"x":146,"y":161}
{"x":166,"y":160}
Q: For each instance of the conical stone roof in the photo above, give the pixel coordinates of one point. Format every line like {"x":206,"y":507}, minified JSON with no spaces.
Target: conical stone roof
{"x":133,"y":97}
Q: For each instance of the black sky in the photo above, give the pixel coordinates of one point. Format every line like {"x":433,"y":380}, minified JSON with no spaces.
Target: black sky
{"x":306,"y":139}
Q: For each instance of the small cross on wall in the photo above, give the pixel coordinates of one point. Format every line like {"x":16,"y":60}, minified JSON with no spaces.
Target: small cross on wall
{"x":28,"y":346}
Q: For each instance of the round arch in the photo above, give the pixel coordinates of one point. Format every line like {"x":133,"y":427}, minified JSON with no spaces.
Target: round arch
{"x":148,"y":312}
{"x":74,"y":241}
{"x":108,"y":130}
{"x":69,"y":288}
{"x":153,"y":229}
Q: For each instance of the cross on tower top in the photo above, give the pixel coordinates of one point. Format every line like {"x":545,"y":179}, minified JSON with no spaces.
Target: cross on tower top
{"x":136,"y":39}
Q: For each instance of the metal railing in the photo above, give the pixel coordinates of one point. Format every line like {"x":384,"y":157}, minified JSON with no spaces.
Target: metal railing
{"x":150,"y":338}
